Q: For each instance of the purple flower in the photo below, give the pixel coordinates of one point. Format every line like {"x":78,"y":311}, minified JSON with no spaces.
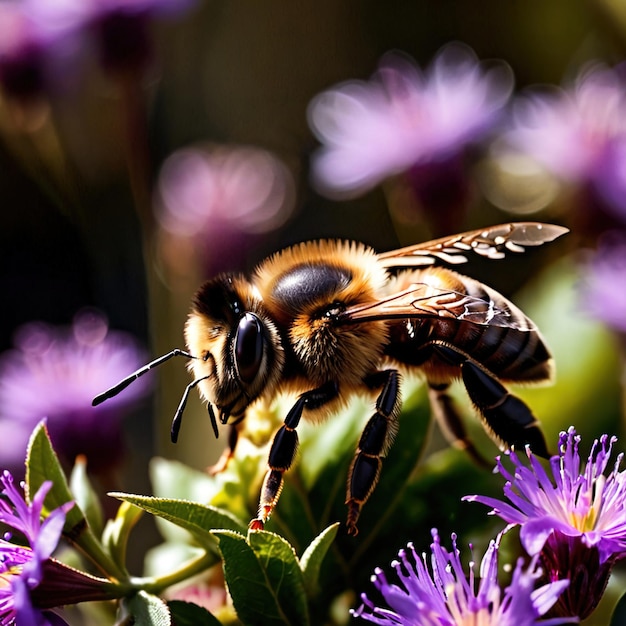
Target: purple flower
{"x":403,"y":118}
{"x":445,"y":596}
{"x":575,"y":521}
{"x":219,"y":196}
{"x":21,"y":568}
{"x":604,"y":270}
{"x":42,"y":41}
{"x":20,"y":53}
{"x":30,"y":48}
{"x":579,"y":133}
{"x":55,"y":373}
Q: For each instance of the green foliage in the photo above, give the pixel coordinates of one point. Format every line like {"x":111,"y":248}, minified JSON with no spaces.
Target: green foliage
{"x":413,"y":495}
{"x":85,"y":496}
{"x":586,"y":391}
{"x":198,"y":519}
{"x":264,"y":578}
{"x":144,"y":609}
{"x":619,"y":614}
{"x":313,"y":557}
{"x":117,"y":532}
{"x":190,"y":614}
{"x":42,"y":464}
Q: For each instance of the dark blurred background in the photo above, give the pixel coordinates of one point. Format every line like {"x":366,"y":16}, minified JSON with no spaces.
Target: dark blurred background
{"x":234,"y":73}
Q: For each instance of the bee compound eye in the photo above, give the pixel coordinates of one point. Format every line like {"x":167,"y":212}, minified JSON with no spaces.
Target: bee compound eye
{"x":248,"y":347}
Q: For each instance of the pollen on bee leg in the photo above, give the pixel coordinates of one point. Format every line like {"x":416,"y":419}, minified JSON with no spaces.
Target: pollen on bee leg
{"x":270,"y":492}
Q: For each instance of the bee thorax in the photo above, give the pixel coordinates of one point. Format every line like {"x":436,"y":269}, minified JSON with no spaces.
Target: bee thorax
{"x":327,"y":351}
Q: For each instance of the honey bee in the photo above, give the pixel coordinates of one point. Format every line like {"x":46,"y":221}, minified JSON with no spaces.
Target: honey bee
{"x":331,"y":319}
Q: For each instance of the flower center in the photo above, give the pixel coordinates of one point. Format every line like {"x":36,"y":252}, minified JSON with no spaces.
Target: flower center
{"x":470,"y":610}
{"x":6,"y":575}
{"x":483,"y":617}
{"x":585,"y":514}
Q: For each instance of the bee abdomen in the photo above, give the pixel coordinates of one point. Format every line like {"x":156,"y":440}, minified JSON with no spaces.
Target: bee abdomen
{"x":511,"y":354}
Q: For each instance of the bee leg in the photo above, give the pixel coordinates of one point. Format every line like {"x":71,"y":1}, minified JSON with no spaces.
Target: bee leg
{"x":284,"y":448}
{"x":507,"y":417}
{"x":375,"y":441}
{"x":451,"y":424}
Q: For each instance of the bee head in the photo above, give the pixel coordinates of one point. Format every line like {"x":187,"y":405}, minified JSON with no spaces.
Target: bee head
{"x":238,"y":348}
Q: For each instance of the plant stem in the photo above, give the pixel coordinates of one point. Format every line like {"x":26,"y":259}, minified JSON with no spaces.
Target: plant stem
{"x":156,"y":585}
{"x":94,"y":550}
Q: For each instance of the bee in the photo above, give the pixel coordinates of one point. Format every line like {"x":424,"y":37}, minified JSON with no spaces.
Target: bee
{"x":330,"y":319}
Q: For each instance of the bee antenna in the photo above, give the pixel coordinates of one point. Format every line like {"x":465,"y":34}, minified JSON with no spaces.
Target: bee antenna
{"x":113,"y":391}
{"x":213,"y":420}
{"x":178,"y":416}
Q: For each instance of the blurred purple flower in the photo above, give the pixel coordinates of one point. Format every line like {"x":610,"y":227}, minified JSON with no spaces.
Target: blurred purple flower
{"x":605,"y":269}
{"x":56,"y":372}
{"x":575,"y":521}
{"x":43,"y":41}
{"x":445,"y":596}
{"x":579,"y":133}
{"x":223,"y":195}
{"x":33,"y":44}
{"x":21,"y":568}
{"x":20,"y":53}
{"x":404,"y":118}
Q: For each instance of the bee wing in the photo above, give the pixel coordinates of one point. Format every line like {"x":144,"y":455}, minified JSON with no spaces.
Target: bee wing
{"x":492,"y":242}
{"x":423,"y":300}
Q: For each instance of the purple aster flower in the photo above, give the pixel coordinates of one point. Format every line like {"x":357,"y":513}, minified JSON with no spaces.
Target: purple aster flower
{"x":55,"y":373}
{"x":41,"y":46}
{"x":36,"y":32}
{"x":21,"y":567}
{"x":214,"y":198}
{"x":604,"y":269}
{"x":21,"y":54}
{"x":404,"y":118}
{"x":579,"y":133}
{"x":31,"y":49}
{"x":446,"y":596}
{"x":575,"y":521}
{"x":15,"y":603}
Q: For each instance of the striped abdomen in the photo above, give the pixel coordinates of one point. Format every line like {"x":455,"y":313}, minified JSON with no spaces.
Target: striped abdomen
{"x":510,"y":346}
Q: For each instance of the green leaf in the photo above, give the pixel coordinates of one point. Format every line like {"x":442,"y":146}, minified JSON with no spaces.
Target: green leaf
{"x":42,"y":464}
{"x":264,"y":579}
{"x":198,"y":519}
{"x":144,"y":609}
{"x":311,"y":561}
{"x":172,"y":479}
{"x":85,"y":495}
{"x":117,"y":531}
{"x":619,"y":614}
{"x":282,"y":567}
{"x":189,"y":614}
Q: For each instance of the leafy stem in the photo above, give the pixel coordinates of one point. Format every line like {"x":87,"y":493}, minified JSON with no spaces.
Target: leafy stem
{"x":156,"y":584}
{"x":91,"y":547}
